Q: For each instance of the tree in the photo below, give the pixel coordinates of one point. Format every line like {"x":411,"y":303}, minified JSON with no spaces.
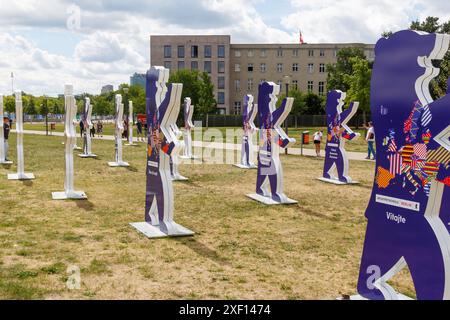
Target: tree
{"x":438,"y":86}
{"x":207,"y":101}
{"x":315,"y":104}
{"x":29,"y":106}
{"x":101,"y":105}
{"x":343,"y":66}
{"x":198,"y":87}
{"x":359,"y":83}
{"x":44,"y":110}
{"x":9,"y":104}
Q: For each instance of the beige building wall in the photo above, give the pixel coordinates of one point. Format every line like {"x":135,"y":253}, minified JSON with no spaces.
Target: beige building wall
{"x":304,"y":64}
{"x":246,"y":65}
{"x":174,"y":62}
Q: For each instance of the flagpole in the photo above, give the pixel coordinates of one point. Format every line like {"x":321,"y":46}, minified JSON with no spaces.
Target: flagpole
{"x":12,"y":83}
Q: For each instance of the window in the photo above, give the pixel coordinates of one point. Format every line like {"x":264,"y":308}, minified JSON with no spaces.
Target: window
{"x":335,"y":53}
{"x":250,"y":84}
{"x":262,"y":80}
{"x":180,"y":65}
{"x":295,"y":52}
{"x":310,"y":67}
{"x":181,"y":52}
{"x":279,"y":67}
{"x":207,"y":66}
{"x":263,"y":67}
{"x":310,"y":53}
{"x":280,"y":83}
{"x":237,"y":107}
{"x":221,"y":98}
{"x":237,"y":54}
{"x":295,"y":67}
{"x":220,"y":82}
{"x":194,"y":51}
{"x":221,"y":66}
{"x":167,"y":51}
{"x":237,"y":67}
{"x":237,"y":85}
{"x":194,"y":65}
{"x":208,"y":52}
{"x":295,"y":84}
{"x":263,"y":53}
{"x":310,"y":86}
{"x":250,"y":67}
{"x":167,"y":64}
{"x":279,"y":52}
{"x":321,"y":88}
{"x":322,"y":68}
{"x":250,"y":53}
{"x":322,"y":53}
{"x":221,"y":51}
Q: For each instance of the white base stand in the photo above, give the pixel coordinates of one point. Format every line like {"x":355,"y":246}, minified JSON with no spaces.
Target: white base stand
{"x":336,"y":181}
{"x":269,"y":201}
{"x":118,"y":164}
{"x":399,"y":297}
{"x":241,"y":166}
{"x":6,"y":162}
{"x":132,"y":144}
{"x":24,"y":176}
{"x":82,"y":155}
{"x":77,"y":148}
{"x":190,"y":158}
{"x":179,"y":178}
{"x":77,"y":195}
{"x":154,"y":232}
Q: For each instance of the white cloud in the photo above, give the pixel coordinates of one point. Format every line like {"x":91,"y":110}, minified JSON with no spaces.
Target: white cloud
{"x":113,"y":41}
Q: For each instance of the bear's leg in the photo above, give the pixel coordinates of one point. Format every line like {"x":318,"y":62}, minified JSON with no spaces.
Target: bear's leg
{"x":328,"y":165}
{"x":426,"y":262}
{"x":381,"y":260}
{"x":342,"y":167}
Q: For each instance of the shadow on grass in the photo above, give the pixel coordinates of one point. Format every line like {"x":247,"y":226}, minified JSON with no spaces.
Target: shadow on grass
{"x":28,"y":183}
{"x":84,"y":204}
{"x":203,"y":250}
{"x":132,"y":169}
{"x":316,"y":214}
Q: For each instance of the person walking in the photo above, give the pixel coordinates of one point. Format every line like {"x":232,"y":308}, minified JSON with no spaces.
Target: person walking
{"x":100,"y":128}
{"x":6,"y":130}
{"x":139,"y":130}
{"x":317,"y":141}
{"x":92,"y":131}
{"x":370,"y":138}
{"x":81,"y":128}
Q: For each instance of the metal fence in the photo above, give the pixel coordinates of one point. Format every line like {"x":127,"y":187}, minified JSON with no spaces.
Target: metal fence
{"x":293,"y":121}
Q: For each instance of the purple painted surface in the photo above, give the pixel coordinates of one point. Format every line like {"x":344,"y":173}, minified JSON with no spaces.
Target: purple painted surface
{"x":159,"y":187}
{"x":335,"y":155}
{"x":408,"y":213}
{"x":271,"y":138}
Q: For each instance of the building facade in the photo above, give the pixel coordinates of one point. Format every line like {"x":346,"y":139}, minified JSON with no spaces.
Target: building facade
{"x":138,"y":79}
{"x":107,"y":89}
{"x":237,"y":69}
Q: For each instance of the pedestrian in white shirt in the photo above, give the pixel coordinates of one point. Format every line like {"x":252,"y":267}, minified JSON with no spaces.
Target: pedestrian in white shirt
{"x":317,"y":141}
{"x":370,"y":138}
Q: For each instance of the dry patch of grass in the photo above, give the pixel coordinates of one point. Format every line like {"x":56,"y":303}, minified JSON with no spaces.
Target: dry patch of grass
{"x":241,"y":250}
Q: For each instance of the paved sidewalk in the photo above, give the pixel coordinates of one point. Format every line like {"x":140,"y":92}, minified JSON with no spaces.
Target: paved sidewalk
{"x":360,"y":156}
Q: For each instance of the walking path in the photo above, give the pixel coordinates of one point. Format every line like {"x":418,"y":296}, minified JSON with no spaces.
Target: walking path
{"x":360,"y":156}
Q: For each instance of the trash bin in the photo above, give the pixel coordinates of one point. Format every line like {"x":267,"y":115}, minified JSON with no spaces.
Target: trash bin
{"x":305,"y":137}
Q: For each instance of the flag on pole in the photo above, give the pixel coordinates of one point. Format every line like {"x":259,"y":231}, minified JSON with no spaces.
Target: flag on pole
{"x":301,"y":37}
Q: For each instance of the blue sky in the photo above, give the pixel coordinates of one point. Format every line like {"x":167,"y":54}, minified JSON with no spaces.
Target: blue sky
{"x":90,"y":43}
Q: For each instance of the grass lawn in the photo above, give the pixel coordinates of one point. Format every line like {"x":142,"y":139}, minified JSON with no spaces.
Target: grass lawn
{"x":241,"y":250}
{"x":356,"y":145}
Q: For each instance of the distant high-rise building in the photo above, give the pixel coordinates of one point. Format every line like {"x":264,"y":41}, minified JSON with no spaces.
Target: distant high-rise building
{"x":138,"y":79}
{"x":107,"y":89}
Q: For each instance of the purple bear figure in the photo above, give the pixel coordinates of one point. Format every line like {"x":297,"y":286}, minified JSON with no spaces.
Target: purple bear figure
{"x":338,"y":132}
{"x":272,"y":138}
{"x":409,"y":210}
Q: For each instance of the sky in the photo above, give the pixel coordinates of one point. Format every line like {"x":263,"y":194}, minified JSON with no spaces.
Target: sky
{"x":90,"y":43}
